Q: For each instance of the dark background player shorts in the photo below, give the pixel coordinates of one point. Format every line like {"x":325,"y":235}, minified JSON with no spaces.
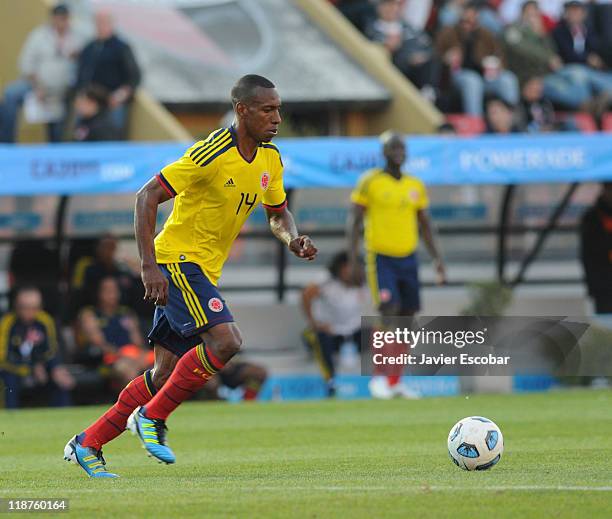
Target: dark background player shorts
{"x":396,"y":281}
{"x":194,"y":306}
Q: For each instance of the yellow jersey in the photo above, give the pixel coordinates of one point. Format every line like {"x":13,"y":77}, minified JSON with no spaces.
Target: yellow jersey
{"x":215,"y":190}
{"x":391,"y":224}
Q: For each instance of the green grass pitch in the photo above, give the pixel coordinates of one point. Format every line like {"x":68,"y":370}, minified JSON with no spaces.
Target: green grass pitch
{"x":356,"y":459}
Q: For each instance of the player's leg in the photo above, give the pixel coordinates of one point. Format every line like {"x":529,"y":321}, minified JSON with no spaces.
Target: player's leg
{"x":252,"y":378}
{"x":322,"y":346}
{"x":195,"y":312}
{"x":195,"y":368}
{"x":138,"y":392}
{"x":85,"y":449}
{"x":192,"y":372}
{"x":247,"y":375}
{"x":410,"y":304}
{"x":382,"y":281}
{"x":409,"y":286}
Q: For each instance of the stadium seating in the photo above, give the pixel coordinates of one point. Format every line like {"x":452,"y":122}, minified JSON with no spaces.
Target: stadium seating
{"x":467,"y":124}
{"x":584,"y":121}
{"x":606,"y":123}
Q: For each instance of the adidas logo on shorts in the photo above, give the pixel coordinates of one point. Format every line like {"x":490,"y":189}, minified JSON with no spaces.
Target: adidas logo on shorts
{"x":230,"y":183}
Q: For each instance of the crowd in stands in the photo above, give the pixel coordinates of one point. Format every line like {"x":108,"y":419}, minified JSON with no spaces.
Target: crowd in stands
{"x":80,"y":89}
{"x":85,"y":351}
{"x":534,"y":57}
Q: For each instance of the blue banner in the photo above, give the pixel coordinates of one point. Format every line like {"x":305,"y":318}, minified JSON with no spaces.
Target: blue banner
{"x":317,"y":162}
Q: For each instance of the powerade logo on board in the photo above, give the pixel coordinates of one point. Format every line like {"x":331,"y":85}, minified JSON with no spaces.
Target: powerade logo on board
{"x":523,"y":159}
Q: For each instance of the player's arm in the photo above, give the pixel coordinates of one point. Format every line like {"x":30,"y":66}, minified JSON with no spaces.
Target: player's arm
{"x":354,"y":229}
{"x":426,"y":230}
{"x":309,"y":294}
{"x":147,"y":200}
{"x":91,"y":331}
{"x":283,"y":227}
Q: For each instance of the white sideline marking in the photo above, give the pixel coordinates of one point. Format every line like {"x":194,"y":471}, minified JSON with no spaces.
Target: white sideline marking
{"x":415,"y":489}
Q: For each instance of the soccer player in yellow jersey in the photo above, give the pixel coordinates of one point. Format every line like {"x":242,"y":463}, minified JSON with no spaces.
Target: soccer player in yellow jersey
{"x":216,"y":185}
{"x":393,"y":206}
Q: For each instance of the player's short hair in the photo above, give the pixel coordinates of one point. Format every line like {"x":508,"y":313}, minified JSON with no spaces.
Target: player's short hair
{"x":244,"y":89}
{"x":60,"y":10}
{"x":497,"y":99}
{"x":97,"y":93}
{"x":475,"y":5}
{"x":26,"y":288}
{"x":528,"y":3}
{"x":337,"y":262}
{"x":388,"y":136}
{"x":104,"y":279}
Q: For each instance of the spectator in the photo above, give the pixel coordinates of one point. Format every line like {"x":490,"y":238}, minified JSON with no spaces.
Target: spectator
{"x":47,"y":69}
{"x":29,"y":359}
{"x":333,"y":310}
{"x":109,"y":336}
{"x":359,"y":12}
{"x":531,"y":53}
{"x":93,"y":119}
{"x":537,"y":112}
{"x":451,"y":12}
{"x":580,"y":49}
{"x":596,"y":250}
{"x":475,"y":59}
{"x":108,"y":61}
{"x":510,"y":11}
{"x":89,"y":271}
{"x":576,"y":41}
{"x":411,"y":50}
{"x":529,"y":50}
{"x":500,"y":117}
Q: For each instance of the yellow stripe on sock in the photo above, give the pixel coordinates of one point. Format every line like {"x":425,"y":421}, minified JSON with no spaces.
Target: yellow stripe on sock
{"x":147,"y":383}
{"x":205,"y":363}
{"x":200,"y":352}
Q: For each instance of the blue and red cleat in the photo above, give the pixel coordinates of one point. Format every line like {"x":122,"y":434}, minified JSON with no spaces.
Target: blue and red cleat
{"x":88,"y":458}
{"x":152,"y":434}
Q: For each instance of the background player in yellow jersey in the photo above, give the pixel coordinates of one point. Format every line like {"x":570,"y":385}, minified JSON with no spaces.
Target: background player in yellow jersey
{"x":216,"y":184}
{"x":393,"y":206}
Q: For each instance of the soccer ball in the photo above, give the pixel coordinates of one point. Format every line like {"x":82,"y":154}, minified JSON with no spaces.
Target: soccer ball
{"x":475,"y":443}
